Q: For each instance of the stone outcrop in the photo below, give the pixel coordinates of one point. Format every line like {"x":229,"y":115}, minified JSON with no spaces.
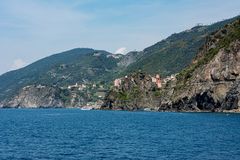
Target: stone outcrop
{"x":35,"y":96}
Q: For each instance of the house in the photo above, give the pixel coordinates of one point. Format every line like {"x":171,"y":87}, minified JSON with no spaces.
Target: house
{"x":154,"y":80}
{"x":169,"y":78}
{"x":117,"y":82}
{"x":157,"y":80}
{"x":77,"y":86}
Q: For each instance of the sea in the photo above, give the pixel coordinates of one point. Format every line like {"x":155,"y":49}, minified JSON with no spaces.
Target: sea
{"x":74,"y":134}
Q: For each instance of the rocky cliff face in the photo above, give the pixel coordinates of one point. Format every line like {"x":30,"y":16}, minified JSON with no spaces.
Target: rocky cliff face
{"x":214,"y":86}
{"x":210,"y":83}
{"x":130,"y":58}
{"x":35,"y":96}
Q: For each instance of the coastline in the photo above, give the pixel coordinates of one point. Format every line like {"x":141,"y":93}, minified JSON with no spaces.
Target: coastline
{"x":236,"y":111}
{"x":135,"y":110}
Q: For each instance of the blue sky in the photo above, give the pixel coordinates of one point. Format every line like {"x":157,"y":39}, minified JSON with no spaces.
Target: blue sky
{"x":33,"y":29}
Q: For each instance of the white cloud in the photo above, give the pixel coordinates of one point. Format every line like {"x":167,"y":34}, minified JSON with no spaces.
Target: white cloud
{"x":122,"y":50}
{"x":18,"y":63}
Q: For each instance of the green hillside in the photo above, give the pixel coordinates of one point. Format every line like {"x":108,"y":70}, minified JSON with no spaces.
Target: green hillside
{"x":171,"y":55}
{"x":61,"y":69}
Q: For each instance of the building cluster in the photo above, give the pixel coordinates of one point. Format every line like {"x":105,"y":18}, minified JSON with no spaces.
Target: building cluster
{"x":169,"y":78}
{"x":156,"y":79}
{"x":80,"y":87}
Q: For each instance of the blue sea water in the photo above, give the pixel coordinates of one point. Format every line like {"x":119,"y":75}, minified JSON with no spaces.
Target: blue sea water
{"x":62,"y":134}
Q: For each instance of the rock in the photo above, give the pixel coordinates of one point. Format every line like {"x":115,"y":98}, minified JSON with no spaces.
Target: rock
{"x":40,"y":96}
{"x":35,"y":96}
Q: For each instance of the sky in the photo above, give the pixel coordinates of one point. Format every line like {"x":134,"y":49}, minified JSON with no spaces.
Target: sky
{"x":33,"y":29}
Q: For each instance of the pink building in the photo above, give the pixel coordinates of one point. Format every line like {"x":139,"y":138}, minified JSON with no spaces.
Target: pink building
{"x":117,"y":82}
{"x":158,"y":81}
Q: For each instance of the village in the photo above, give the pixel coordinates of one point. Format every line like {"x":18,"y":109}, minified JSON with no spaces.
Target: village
{"x":155,"y":79}
{"x":98,"y":90}
{"x":91,"y":95}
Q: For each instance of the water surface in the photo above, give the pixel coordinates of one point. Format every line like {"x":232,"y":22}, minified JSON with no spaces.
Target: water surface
{"x":74,"y":134}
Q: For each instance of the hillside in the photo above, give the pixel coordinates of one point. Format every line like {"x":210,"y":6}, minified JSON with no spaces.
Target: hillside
{"x":171,"y":55}
{"x":63,"y":69}
{"x":210,"y":83}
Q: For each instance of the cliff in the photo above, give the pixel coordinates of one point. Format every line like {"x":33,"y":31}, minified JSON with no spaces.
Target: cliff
{"x":35,"y":96}
{"x":210,"y":83}
{"x":134,"y":92}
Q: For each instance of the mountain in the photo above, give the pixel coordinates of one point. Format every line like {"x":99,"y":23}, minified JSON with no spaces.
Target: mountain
{"x":82,"y":76}
{"x":210,"y":83}
{"x":63,"y":69}
{"x":171,"y":55}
